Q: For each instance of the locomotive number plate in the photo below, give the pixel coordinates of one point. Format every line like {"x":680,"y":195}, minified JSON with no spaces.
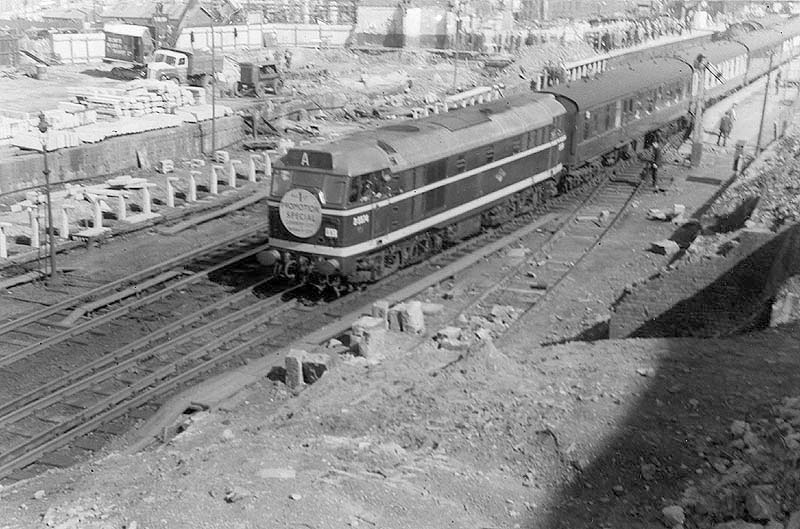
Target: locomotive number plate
{"x":360,"y":220}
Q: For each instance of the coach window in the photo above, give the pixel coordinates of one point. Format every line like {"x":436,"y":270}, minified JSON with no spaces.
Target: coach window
{"x":609,"y":113}
{"x":516,"y":145}
{"x":587,"y":125}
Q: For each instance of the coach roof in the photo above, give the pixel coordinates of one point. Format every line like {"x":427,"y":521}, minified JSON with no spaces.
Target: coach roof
{"x":623,"y":81}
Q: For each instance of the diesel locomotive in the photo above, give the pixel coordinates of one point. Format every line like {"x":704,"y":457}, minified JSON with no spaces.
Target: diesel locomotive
{"x":360,"y":207}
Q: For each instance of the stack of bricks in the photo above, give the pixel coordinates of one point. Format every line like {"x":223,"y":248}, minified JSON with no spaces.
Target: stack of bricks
{"x":136,"y":98}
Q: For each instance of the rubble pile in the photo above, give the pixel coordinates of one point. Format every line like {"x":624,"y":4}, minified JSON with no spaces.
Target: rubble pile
{"x":775,"y":183}
{"x":752,"y":480}
{"x":139,"y":97}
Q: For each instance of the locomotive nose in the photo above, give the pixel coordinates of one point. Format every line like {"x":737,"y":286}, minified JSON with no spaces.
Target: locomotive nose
{"x":327,"y":267}
{"x":268,"y":257}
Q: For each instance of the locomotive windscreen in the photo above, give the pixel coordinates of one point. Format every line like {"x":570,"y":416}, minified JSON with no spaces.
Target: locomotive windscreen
{"x":333,"y":188}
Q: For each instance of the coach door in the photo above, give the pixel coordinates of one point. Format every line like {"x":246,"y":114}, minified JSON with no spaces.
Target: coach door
{"x":418,"y":210}
{"x":383,"y":214}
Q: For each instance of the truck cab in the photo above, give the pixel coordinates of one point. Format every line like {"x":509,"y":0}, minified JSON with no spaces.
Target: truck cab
{"x":170,"y":65}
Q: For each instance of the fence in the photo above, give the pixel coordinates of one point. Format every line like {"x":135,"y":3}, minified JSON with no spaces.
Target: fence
{"x":249,"y":36}
{"x":89,"y":47}
{"x":79,"y":47}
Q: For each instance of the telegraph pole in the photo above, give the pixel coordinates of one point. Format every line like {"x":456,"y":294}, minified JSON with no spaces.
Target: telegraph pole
{"x":697,"y":130}
{"x":213,"y":82}
{"x":764,"y":104}
{"x":51,"y":238}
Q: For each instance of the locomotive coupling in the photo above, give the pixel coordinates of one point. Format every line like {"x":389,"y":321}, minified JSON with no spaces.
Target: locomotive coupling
{"x":327,"y":267}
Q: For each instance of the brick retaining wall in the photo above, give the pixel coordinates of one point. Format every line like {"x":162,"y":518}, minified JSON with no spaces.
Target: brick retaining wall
{"x":117,"y":154}
{"x":712,"y":297}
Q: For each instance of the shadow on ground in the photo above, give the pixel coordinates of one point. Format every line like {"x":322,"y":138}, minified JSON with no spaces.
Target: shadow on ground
{"x":679,"y":427}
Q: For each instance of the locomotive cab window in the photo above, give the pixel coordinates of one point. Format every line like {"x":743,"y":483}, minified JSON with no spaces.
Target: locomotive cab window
{"x":281,"y":183}
{"x":490,"y":155}
{"x":369,"y":187}
{"x":329,"y":188}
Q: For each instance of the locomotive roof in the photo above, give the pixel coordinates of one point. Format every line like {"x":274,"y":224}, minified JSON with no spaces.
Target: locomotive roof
{"x":715,"y":52}
{"x":622,"y":81}
{"x":410,"y":143}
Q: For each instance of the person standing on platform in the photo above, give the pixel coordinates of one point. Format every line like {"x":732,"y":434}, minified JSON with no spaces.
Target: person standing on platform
{"x":725,"y":127}
{"x":655,"y":163}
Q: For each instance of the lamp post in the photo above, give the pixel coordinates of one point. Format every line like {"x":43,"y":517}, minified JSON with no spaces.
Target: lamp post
{"x":213,"y":81}
{"x":764,"y":104}
{"x":697,"y":131}
{"x":51,"y":238}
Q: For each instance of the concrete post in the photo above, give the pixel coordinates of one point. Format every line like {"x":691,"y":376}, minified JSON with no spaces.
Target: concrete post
{"x":436,"y":108}
{"x":33,"y":222}
{"x":251,"y":169}
{"x":232,"y":173}
{"x":191,"y":195}
{"x":147,"y":203}
{"x":97,"y":212}
{"x":171,"y":191}
{"x":63,"y":230}
{"x":267,"y":165}
{"x":3,"y":242}
{"x":121,"y":213}
{"x":212,"y":182}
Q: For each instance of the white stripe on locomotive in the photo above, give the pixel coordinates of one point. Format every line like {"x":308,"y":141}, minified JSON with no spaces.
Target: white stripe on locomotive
{"x":424,"y":224}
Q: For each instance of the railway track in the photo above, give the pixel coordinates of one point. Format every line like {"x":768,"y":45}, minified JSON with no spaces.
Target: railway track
{"x":75,"y":410}
{"x":584,"y":221}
